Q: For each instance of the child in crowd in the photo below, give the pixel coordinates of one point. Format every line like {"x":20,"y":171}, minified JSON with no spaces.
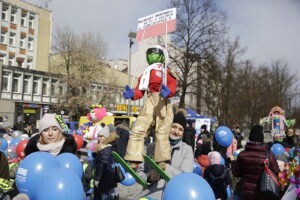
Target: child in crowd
{"x":217,"y":175}
{"x":105,"y":182}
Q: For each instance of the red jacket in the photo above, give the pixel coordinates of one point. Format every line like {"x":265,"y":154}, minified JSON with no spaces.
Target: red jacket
{"x":203,"y":162}
{"x":155,"y":84}
{"x":249,"y":165}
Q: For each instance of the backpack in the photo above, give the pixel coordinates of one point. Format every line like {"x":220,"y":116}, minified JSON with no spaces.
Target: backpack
{"x":220,"y":180}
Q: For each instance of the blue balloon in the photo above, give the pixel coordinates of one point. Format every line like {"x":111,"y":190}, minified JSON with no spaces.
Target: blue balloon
{"x":229,"y":192}
{"x":60,"y":183}
{"x":222,"y":161}
{"x":32,"y":170}
{"x":197,"y":169}
{"x":90,"y":155}
{"x":4,"y":144}
{"x":129,"y":180}
{"x":15,"y":142}
{"x":277,"y":149}
{"x":70,"y":161}
{"x":188,"y":186}
{"x":224,"y":136}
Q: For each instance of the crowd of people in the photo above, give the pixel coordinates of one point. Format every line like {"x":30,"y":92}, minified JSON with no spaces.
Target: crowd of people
{"x":237,"y":167}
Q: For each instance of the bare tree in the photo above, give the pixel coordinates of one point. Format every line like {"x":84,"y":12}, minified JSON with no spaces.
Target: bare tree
{"x":200,"y":29}
{"x":79,"y":57}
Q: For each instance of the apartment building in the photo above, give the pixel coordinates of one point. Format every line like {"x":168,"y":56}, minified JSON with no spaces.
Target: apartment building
{"x":25,"y":38}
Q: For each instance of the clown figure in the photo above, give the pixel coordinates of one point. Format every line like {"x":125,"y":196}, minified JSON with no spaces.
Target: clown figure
{"x":277,"y":118}
{"x":156,"y":110}
{"x":96,"y":114}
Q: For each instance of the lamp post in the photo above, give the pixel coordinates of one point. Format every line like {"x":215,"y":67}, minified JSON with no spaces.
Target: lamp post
{"x":130,"y":35}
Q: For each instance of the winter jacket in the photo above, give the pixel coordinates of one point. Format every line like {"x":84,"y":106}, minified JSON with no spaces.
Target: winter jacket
{"x":203,"y":162}
{"x":289,"y":142}
{"x":249,"y":165}
{"x":189,"y":136}
{"x":218,"y":178}
{"x":104,"y":172}
{"x":239,"y":137}
{"x":70,"y":145}
{"x":121,"y":144}
{"x":182,"y":160}
{"x":155,"y":83}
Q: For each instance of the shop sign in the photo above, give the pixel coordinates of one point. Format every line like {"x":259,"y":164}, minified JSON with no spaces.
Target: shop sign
{"x":30,"y":105}
{"x":29,"y":111}
{"x":122,"y":107}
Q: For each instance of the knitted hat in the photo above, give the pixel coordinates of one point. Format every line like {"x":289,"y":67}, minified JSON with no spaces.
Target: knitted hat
{"x":204,"y":126}
{"x":47,"y":121}
{"x":179,"y":118}
{"x":205,"y":148}
{"x":256,"y":134}
{"x":214,"y":157}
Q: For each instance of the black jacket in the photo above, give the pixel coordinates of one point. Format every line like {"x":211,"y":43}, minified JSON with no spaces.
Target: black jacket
{"x":104,"y":172}
{"x":289,"y":142}
{"x":189,"y":136}
{"x":218,"y":178}
{"x":69,"y":146}
{"x":121,"y":144}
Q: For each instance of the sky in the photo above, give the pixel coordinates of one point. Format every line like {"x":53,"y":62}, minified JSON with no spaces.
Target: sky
{"x":269,"y":29}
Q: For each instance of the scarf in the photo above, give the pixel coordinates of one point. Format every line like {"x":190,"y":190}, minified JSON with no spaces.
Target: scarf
{"x":52,"y":148}
{"x":144,"y":81}
{"x":174,"y":142}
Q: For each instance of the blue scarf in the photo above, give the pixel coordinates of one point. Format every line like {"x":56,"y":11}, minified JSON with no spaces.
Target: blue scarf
{"x":174,"y":142}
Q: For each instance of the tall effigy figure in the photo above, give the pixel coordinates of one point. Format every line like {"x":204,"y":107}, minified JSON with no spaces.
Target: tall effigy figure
{"x":157,"y":108}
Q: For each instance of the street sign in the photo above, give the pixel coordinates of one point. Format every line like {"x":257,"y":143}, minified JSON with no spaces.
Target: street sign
{"x":155,"y":24}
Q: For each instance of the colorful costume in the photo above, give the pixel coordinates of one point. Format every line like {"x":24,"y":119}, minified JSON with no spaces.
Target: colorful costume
{"x":277,"y":119}
{"x":96,"y":114}
{"x":157,"y":108}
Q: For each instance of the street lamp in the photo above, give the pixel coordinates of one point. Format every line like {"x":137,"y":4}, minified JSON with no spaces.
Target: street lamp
{"x":131,"y":35}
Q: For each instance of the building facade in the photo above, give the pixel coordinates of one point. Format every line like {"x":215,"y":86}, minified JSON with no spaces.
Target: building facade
{"x":25,"y":38}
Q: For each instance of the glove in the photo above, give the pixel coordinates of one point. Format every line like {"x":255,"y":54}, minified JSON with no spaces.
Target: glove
{"x":129,"y":93}
{"x":164,"y":91}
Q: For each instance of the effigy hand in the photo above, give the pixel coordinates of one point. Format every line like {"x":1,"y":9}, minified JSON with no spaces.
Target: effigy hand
{"x":165,"y":91}
{"x":129,"y":93}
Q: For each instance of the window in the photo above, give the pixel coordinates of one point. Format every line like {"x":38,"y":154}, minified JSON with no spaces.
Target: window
{"x":30,"y":43}
{"x":16,"y":83}
{"x":3,"y":37}
{"x":23,"y":18}
{"x":11,"y":60}
{"x":54,"y":87}
{"x":27,"y":79}
{"x":2,"y":58}
{"x":4,"y":12}
{"x":45,"y":87}
{"x":36,"y":85}
{"x":29,"y":64}
{"x":22,"y":41}
{"x":13,"y":15}
{"x":5,"y":81}
{"x":31,"y":21}
{"x":12,"y":38}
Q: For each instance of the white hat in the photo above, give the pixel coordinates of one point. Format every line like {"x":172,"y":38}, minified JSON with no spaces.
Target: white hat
{"x":47,"y":121}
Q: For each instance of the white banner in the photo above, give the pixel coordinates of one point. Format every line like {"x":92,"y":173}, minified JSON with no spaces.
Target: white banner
{"x":157,"y":18}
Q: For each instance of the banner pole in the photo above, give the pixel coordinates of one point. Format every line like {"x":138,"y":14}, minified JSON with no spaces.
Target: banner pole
{"x":138,"y":59}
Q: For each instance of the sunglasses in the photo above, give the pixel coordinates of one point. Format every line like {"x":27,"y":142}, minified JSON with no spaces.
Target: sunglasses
{"x":155,"y":50}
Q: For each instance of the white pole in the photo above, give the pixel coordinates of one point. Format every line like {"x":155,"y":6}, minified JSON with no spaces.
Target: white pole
{"x":138,"y":59}
{"x":166,"y":57}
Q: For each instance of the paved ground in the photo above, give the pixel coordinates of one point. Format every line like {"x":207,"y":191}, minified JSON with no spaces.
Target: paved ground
{"x":129,"y":192}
